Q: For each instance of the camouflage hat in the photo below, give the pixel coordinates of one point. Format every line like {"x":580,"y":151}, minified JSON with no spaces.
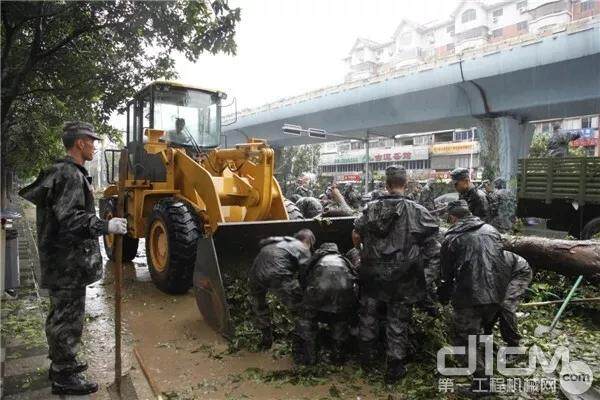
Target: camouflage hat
{"x":77,"y":129}
{"x":329,"y":246}
{"x":500,"y":183}
{"x":309,"y":207}
{"x":458,"y":207}
{"x":459,"y":174}
{"x":395,"y":171}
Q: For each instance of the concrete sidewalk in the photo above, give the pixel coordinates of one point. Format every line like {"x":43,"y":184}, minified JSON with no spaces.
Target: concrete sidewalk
{"x":24,"y":348}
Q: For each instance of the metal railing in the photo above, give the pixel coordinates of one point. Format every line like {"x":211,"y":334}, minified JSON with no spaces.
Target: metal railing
{"x":427,"y":64}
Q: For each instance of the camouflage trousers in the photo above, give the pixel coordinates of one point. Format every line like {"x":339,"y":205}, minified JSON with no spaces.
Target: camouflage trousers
{"x":507,"y":318}
{"x":286,"y":289}
{"x":473,"y":321}
{"x":307,"y":330}
{"x":64,"y":326}
{"x":398,"y":318}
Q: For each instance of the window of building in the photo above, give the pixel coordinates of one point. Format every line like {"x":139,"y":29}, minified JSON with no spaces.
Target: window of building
{"x":497,"y":13}
{"x":422,"y":140}
{"x":403,"y":141}
{"x":545,"y":127}
{"x":441,"y":137}
{"x":586,"y":5}
{"x":462,"y":136}
{"x":586,"y":122}
{"x":405,"y":38}
{"x":450,"y":30}
{"x":468,"y":15}
{"x":357,"y":145}
{"x":497,"y":33}
{"x":450,"y":47}
{"x":344,"y":147}
{"x":522,"y":26}
{"x":522,"y":5}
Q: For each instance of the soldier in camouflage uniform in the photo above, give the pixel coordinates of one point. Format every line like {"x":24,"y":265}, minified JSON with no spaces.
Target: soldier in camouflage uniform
{"x":275,"y":269}
{"x":398,"y":243}
{"x":502,"y":205}
{"x":475,"y":198}
{"x":310,"y":207}
{"x":558,"y":145}
{"x":427,"y":197}
{"x":68,"y":231}
{"x":474,"y":277}
{"x":330,"y":296}
{"x":520,"y":278}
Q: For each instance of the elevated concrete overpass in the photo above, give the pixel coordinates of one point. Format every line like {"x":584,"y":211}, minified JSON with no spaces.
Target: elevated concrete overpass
{"x":551,"y":77}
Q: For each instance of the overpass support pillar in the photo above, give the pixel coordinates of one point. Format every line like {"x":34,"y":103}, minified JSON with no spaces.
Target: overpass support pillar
{"x":503,"y":141}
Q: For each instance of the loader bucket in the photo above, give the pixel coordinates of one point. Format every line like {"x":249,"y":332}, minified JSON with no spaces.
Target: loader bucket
{"x":229,"y":253}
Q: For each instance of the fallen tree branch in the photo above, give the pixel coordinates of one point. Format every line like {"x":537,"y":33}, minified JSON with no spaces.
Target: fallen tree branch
{"x":543,"y":303}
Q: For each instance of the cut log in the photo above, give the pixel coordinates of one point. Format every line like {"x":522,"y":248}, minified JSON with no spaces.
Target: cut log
{"x":567,"y":257}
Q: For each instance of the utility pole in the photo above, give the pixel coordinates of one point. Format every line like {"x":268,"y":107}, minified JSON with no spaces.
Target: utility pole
{"x":367,"y":159}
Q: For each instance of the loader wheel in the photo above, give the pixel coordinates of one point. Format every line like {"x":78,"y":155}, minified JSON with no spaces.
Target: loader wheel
{"x":130,"y":245}
{"x":172,"y":234}
{"x":591,"y":229}
{"x":292,"y":210}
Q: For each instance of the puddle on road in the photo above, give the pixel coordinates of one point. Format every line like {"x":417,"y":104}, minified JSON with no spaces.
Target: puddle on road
{"x":178,"y":348}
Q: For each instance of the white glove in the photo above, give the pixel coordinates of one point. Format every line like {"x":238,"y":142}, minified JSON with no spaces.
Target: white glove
{"x":118,"y":226}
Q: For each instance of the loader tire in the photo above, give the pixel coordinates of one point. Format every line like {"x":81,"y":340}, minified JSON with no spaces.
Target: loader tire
{"x":591,"y":229}
{"x":292,"y":210}
{"x":172,"y":234}
{"x":130,"y":245}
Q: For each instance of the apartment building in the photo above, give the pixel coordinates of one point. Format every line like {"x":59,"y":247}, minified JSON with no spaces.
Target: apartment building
{"x":424,"y":155}
{"x":472,"y":24}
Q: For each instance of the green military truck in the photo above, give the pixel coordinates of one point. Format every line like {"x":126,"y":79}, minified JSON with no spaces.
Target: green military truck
{"x":565,"y":191}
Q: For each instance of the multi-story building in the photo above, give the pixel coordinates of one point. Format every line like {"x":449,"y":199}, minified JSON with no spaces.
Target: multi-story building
{"x":424,"y":155}
{"x":472,"y":24}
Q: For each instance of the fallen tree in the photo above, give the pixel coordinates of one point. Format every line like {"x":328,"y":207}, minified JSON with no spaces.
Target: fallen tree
{"x":567,"y":257}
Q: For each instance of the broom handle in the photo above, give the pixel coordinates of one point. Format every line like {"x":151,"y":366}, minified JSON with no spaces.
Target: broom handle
{"x":118,"y":267}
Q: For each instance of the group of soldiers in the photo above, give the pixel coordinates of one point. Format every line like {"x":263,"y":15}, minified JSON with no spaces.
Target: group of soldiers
{"x":400,"y":261}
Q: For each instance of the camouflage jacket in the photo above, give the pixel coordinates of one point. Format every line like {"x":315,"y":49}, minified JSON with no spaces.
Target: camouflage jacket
{"x":427,"y":198}
{"x":558,"y":145}
{"x":473,"y":267}
{"x":67,"y":226}
{"x":477,"y":201}
{"x":503,"y":206}
{"x":399,"y":243}
{"x":329,"y":282}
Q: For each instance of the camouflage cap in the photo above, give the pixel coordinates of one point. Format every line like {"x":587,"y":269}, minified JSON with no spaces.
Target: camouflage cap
{"x":329,"y":246}
{"x":500,"y":183}
{"x":459,"y":174}
{"x":395,"y":171}
{"x":77,"y":129}
{"x":457,"y":207}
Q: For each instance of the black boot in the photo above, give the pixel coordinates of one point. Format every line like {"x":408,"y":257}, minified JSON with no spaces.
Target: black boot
{"x":338,"y":354}
{"x":267,"y":339}
{"x":79,"y":366}
{"x":305,"y":353}
{"x":368,"y":354}
{"x":395,"y":371}
{"x":73,"y":384}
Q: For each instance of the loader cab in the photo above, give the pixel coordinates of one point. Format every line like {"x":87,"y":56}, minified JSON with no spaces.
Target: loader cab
{"x":190,"y":117}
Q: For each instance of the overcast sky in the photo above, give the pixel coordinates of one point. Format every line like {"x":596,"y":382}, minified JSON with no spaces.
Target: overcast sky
{"x":288,"y":47}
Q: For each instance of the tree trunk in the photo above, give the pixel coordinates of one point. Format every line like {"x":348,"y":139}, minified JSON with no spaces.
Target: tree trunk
{"x":567,"y":257}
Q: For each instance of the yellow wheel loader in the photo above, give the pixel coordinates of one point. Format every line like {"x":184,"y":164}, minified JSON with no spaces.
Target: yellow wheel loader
{"x":202,"y":209}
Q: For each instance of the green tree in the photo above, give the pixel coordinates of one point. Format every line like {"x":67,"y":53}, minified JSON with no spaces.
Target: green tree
{"x":539,"y":147}
{"x":294,"y":161}
{"x":82,"y":60}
